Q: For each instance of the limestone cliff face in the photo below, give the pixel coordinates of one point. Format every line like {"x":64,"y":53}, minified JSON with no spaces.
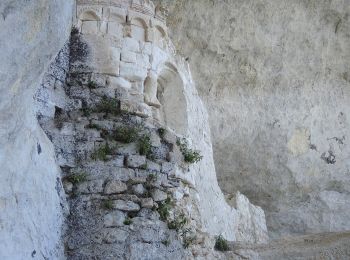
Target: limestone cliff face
{"x":275,"y":78}
{"x":31,"y":34}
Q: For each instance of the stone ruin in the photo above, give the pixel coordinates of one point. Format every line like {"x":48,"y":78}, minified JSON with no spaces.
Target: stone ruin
{"x":117,"y":102}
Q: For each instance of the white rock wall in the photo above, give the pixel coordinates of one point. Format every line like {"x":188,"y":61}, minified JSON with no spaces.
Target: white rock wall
{"x":275,"y":78}
{"x":31,"y":34}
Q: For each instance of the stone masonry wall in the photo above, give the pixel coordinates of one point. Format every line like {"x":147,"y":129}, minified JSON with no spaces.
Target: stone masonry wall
{"x":124,"y":77}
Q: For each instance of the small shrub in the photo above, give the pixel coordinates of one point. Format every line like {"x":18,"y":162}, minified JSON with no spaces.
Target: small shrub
{"x":221,"y":244}
{"x":190,"y":156}
{"x":166,"y":242}
{"x":145,"y":146}
{"x":102,"y":153}
{"x":86,"y":111}
{"x":107,"y":204}
{"x":104,"y":133}
{"x":144,"y":166}
{"x":92,"y":85}
{"x":151,"y":177}
{"x":126,"y":134}
{"x":161,"y":132}
{"x":164,"y":209}
{"x":127,"y":221}
{"x":149,"y":180}
{"x":178,"y":223}
{"x":108,"y":106}
{"x":188,"y":240}
{"x":93,"y":126}
{"x":75,"y":193}
{"x":74,"y":30}
{"x":77,"y":178}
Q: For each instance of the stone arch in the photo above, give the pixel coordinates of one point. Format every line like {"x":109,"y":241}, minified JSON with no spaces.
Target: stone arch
{"x":115,"y":24}
{"x":89,"y":15}
{"x":160,"y":37}
{"x":170,"y":93}
{"x":138,"y":28}
{"x":88,"y":22}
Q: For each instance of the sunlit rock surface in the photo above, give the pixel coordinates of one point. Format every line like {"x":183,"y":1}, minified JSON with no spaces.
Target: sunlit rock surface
{"x":31,"y":34}
{"x":275,"y":78}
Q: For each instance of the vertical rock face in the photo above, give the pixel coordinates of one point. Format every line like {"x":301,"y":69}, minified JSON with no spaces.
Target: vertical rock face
{"x":275,"y":78}
{"x":31,"y":34}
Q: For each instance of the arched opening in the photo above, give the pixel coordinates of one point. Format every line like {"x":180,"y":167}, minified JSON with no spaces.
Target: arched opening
{"x":115,"y":25}
{"x":170,"y":93}
{"x":160,"y":37}
{"x":89,"y":22}
{"x":138,"y":29}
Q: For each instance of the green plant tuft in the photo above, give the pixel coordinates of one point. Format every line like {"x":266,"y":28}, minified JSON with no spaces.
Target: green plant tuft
{"x":127,"y":221}
{"x":77,"y":178}
{"x":144,"y":166}
{"x":188,"y":240}
{"x":102,"y":153}
{"x":161,"y":132}
{"x":92,"y":85}
{"x":164,"y":209}
{"x":108,"y":106}
{"x":145,"y":146}
{"x":178,"y":223}
{"x":166,"y":242}
{"x":190,"y":156}
{"x":86,"y":111}
{"x":126,"y":134}
{"x":93,"y":126}
{"x":151,"y":177}
{"x":221,"y":244}
{"x":107,"y":204}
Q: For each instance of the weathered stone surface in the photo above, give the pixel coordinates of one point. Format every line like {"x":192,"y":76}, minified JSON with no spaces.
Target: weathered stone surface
{"x":147,"y":203}
{"x":167,"y":167}
{"x":130,"y":44}
{"x":251,"y":223}
{"x":132,"y":72}
{"x":155,"y":139}
{"x":138,"y":189}
{"x":114,"y":219}
{"x":152,"y":166}
{"x":114,"y":235}
{"x":115,"y":186}
{"x":68,"y":186}
{"x":135,"y":161}
{"x":118,"y":82}
{"x":94,"y":186}
{"x":128,"y":56}
{"x":159,"y":195}
{"x":126,"y":205}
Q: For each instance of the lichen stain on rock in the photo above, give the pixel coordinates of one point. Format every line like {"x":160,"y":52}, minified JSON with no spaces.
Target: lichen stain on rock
{"x":300,"y":142}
